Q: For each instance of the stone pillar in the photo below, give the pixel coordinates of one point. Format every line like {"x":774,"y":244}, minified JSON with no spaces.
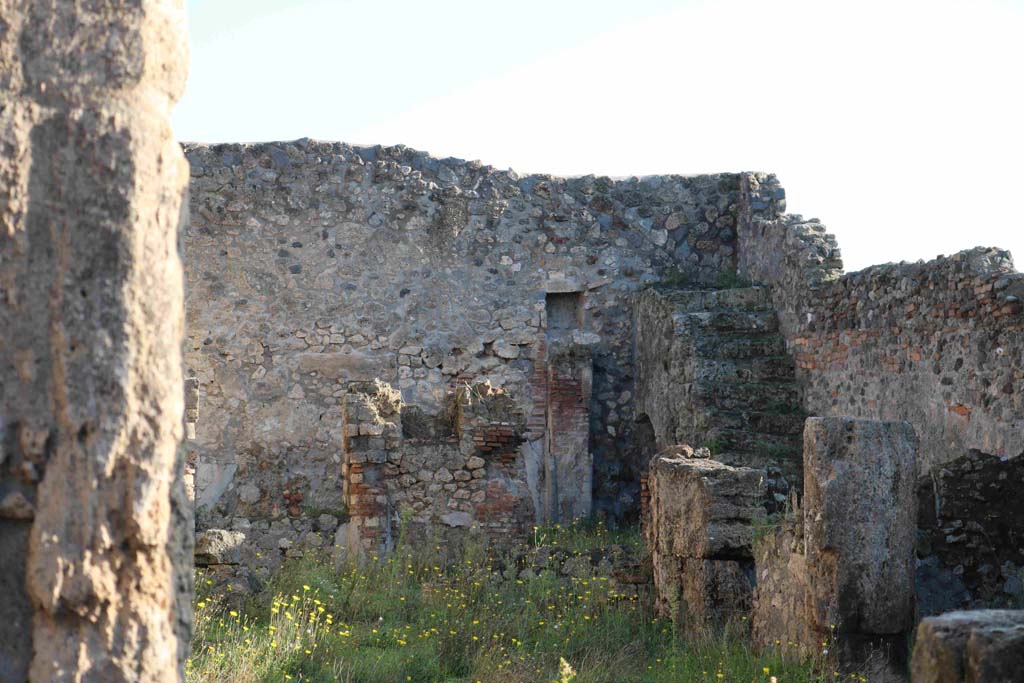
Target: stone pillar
{"x":700,"y":530}
{"x":840,"y":576}
{"x":191,"y":406}
{"x":372,"y":426}
{"x":860,"y":515}
{"x":96,"y":568}
{"x":983,"y":646}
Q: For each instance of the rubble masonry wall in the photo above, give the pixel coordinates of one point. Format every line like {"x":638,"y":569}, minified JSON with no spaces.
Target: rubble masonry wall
{"x":315,"y":266}
{"x":938,"y":344}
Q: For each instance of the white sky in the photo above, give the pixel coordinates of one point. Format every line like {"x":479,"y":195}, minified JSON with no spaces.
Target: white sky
{"x":899,"y":123}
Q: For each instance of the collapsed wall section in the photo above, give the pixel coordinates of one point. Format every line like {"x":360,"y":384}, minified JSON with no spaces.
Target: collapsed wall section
{"x":432,"y":486}
{"x":314,"y":266}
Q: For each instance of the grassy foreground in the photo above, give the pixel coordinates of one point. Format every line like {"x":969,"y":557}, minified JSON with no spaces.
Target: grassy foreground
{"x":423,"y":617}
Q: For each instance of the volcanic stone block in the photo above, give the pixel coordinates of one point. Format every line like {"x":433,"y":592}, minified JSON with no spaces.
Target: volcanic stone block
{"x":92,"y":189}
{"x":838,"y":576}
{"x":983,"y":646}
{"x":219,"y":546}
{"x":704,"y":509}
{"x":860,"y":516}
{"x":700,"y":529}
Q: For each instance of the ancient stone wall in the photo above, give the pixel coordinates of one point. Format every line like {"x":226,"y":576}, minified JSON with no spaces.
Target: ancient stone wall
{"x":939,"y":344}
{"x":313,"y":267}
{"x":970,"y":517}
{"x":95,"y":556}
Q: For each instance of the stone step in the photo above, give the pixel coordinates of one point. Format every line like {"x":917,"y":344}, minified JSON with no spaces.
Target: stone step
{"x":738,"y":299}
{"x":705,"y":322}
{"x":790,"y":465}
{"x":788,"y":422}
{"x":747,"y":396}
{"x":721,"y":439}
{"x":741,"y":346}
{"x":762,"y":369}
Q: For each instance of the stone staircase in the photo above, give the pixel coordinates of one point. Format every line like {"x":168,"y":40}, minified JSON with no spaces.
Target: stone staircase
{"x":732,"y":384}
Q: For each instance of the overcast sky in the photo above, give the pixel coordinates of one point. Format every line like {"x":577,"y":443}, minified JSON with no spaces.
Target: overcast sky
{"x":899,"y":123}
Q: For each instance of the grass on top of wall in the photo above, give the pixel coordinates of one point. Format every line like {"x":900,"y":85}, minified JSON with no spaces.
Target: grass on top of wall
{"x":412,"y":617}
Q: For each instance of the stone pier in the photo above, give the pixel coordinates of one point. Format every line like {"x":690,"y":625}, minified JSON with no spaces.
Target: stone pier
{"x":95,"y":563}
{"x":840,"y":575}
{"x":700,"y":529}
{"x":983,"y":646}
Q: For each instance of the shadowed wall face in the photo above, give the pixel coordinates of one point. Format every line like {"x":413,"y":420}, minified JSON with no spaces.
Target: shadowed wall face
{"x":93,"y":526}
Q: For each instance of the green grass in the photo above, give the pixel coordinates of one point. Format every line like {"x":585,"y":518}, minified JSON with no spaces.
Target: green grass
{"x":412,"y":617}
{"x":586,"y":536}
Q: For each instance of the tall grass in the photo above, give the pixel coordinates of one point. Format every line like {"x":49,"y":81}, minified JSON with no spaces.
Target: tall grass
{"x":412,"y":617}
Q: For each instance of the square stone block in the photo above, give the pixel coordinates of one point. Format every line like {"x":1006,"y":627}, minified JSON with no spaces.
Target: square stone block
{"x":703,"y":509}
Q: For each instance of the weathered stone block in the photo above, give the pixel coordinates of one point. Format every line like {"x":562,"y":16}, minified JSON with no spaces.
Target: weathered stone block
{"x":703,"y":509}
{"x":983,"y":646}
{"x":699,"y":530}
{"x":839,"y":575}
{"x":860,"y":515}
{"x":96,"y":536}
{"x":219,"y":546}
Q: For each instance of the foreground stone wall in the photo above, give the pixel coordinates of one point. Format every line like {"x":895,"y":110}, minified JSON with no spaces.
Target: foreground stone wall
{"x":315,"y":266}
{"x":939,"y":344}
{"x":95,"y":563}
